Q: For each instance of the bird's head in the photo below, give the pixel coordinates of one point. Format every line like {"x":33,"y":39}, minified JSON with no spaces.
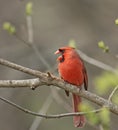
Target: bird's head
{"x":64,"y":52}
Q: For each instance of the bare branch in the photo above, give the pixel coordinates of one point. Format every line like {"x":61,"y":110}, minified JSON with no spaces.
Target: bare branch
{"x":60,"y":100}
{"x":49,"y":99}
{"x":32,"y":83}
{"x":52,"y":80}
{"x":22,"y":69}
{"x":35,"y":49}
{"x":31,"y":40}
{"x":30,"y":29}
{"x":44,"y":109}
{"x":48,"y":116}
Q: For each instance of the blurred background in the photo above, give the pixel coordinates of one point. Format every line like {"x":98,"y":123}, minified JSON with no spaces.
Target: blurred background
{"x":54,"y":24}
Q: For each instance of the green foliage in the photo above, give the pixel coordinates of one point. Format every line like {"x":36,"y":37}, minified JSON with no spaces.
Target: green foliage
{"x":102,"y":45}
{"x":105,"y":82}
{"x":104,"y":116}
{"x":86,"y":107}
{"x":72,"y":43}
{"x":9,"y":27}
{"x":91,"y":117}
{"x":29,"y":8}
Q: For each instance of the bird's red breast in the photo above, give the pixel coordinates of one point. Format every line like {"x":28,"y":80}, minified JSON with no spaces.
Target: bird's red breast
{"x":71,"y":67}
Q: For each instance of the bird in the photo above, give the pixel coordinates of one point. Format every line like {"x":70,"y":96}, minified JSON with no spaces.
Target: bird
{"x":72,"y":70}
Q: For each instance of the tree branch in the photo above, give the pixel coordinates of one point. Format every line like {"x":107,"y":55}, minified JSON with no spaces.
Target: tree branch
{"x":48,"y":79}
{"x":112,"y":93}
{"x":48,"y":116}
{"x":22,"y":69}
{"x":32,"y":83}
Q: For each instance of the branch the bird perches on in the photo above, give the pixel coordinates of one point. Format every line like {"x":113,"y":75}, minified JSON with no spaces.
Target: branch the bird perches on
{"x":49,"y":79}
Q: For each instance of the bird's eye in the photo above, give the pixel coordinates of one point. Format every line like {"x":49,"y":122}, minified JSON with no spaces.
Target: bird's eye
{"x":61,"y":50}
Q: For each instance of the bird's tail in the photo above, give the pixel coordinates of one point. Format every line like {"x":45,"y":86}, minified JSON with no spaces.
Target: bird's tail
{"x":79,"y":121}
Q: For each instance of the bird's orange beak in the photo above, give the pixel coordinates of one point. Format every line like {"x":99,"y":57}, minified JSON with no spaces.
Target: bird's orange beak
{"x":57,"y":52}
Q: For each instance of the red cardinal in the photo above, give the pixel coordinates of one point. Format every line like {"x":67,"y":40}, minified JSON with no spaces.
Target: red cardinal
{"x":71,"y":69}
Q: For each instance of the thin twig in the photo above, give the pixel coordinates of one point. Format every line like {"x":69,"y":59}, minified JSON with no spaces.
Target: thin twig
{"x":30,"y":29}
{"x":35,"y":49}
{"x":22,"y":40}
{"x":101,"y":127}
{"x":60,"y":100}
{"x":43,"y":110}
{"x":31,"y":40}
{"x":47,"y":116}
{"x":21,"y":68}
{"x":49,"y":100}
{"x":112,"y":93}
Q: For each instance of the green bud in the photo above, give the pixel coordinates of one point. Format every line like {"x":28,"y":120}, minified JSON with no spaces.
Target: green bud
{"x":72,"y":43}
{"x":9,"y":28}
{"x":106,"y":49}
{"x":12,"y":30}
{"x":29,"y":8}
{"x":102,"y":45}
{"x":6,"y":26}
{"x":116,"y":21}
